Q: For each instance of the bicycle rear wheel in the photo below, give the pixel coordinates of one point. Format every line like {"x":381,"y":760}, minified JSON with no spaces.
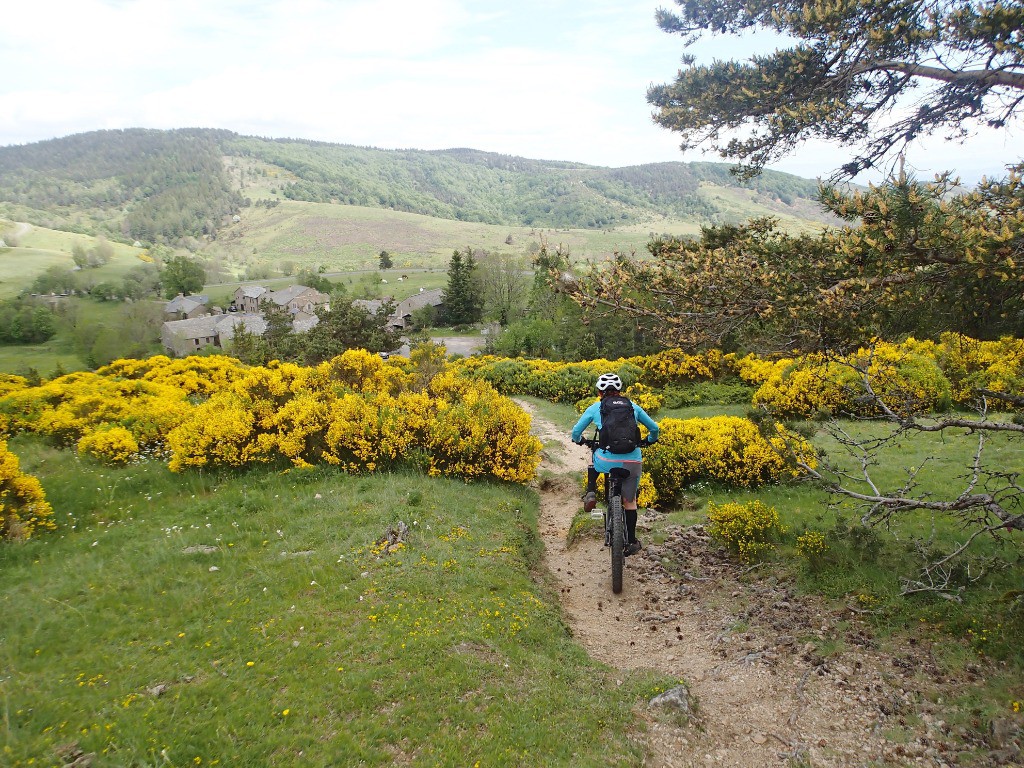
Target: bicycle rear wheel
{"x":618,"y":541}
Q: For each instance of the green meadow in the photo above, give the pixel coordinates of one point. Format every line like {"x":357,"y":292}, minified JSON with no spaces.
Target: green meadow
{"x":257,"y":619}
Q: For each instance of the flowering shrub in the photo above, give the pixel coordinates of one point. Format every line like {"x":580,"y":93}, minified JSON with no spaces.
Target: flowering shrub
{"x":11,"y":383}
{"x":476,"y":432}
{"x":673,"y":366}
{"x":459,"y":427}
{"x":813,"y":547}
{"x":194,"y":375}
{"x":646,"y":495}
{"x":908,"y":381}
{"x":111,"y":445}
{"x":23,"y":506}
{"x":721,"y":449}
{"x":756,"y":370}
{"x":68,"y":407}
{"x":745,"y":529}
{"x":971,"y":365}
{"x":215,"y":433}
{"x":557,"y":382}
{"x":364,"y":371}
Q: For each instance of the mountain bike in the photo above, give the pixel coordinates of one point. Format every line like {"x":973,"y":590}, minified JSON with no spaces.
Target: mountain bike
{"x":614,"y":515}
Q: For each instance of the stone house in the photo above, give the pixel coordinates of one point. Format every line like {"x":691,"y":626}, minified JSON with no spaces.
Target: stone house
{"x":183,"y":307}
{"x":402,"y":316}
{"x":294,"y":298}
{"x":183,"y":337}
{"x":247,"y":298}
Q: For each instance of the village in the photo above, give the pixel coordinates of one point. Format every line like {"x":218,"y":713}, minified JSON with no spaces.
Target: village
{"x":192,"y":323}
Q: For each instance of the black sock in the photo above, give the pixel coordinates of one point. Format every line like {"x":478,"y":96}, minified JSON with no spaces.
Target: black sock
{"x":631,"y":525}
{"x":591,"y":479}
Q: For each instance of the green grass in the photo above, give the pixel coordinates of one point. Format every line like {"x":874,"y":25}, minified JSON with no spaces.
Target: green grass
{"x":41,"y":248}
{"x":250,"y":620}
{"x":43,"y":358}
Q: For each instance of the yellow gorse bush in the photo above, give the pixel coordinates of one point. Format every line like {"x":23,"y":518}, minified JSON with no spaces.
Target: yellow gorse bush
{"x":72,"y":406}
{"x":194,"y":375}
{"x":646,"y":495}
{"x":23,"y":506}
{"x":112,"y":445}
{"x":904,"y":376}
{"x":335,"y":414}
{"x":722,"y":449}
{"x":746,"y":530}
{"x":971,"y":365}
{"x":357,"y":412}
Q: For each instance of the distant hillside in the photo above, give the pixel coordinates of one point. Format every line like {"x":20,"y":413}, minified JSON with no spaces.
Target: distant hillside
{"x":168,"y":186}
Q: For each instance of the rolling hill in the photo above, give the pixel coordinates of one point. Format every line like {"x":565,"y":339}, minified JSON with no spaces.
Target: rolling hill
{"x":170,"y":186}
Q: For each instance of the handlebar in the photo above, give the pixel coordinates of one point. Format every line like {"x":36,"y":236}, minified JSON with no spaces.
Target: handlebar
{"x":593,"y":443}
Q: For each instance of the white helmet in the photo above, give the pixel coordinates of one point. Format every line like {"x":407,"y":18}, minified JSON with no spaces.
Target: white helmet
{"x":609,"y":381}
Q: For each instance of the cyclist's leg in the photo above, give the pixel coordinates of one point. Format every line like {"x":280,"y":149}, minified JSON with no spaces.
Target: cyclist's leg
{"x":630,"y":488}
{"x":590,"y":497}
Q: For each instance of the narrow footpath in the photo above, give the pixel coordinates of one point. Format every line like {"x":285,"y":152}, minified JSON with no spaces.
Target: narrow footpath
{"x":748,"y":648}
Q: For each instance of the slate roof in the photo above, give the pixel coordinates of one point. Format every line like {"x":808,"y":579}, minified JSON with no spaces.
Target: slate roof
{"x":186,"y":304}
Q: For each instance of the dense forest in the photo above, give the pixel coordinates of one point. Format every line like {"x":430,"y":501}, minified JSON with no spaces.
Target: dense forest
{"x":138,"y":184}
{"x":169,"y":186}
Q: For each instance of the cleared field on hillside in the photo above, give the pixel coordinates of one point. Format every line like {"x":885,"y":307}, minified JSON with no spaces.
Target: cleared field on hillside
{"x":40,"y":248}
{"x":342,"y":237}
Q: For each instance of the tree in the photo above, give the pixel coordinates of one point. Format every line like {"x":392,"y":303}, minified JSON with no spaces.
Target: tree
{"x":503,"y":285}
{"x":102,"y":252}
{"x":846,"y":72}
{"x":312,"y":280}
{"x":140,"y":329}
{"x":56,"y":279}
{"x":25,"y":321}
{"x":348,"y":326}
{"x":141,"y":281}
{"x":280,"y":336}
{"x":247,"y":346}
{"x":182,"y":275}
{"x":919,"y":259}
{"x":462,"y":299}
{"x":79,"y":255}
{"x":385,"y":260}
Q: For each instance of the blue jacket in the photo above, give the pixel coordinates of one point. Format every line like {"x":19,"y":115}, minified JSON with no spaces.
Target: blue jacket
{"x":603,"y":460}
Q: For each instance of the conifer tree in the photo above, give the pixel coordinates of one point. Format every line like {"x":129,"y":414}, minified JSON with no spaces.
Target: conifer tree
{"x":462,"y":299}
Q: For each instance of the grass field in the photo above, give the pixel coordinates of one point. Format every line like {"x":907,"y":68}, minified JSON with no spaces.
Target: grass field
{"x":341,"y":237}
{"x":255,"y":620}
{"x":40,"y":248}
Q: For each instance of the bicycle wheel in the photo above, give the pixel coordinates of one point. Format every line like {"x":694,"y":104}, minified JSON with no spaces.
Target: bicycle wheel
{"x":618,"y":541}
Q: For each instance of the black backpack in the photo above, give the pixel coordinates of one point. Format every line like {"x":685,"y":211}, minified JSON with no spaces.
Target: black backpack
{"x":619,"y":431}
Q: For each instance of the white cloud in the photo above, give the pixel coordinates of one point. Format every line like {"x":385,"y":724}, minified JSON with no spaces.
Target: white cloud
{"x":552,"y":79}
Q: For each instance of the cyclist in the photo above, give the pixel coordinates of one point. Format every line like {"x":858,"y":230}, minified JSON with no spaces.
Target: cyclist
{"x":609,"y":385}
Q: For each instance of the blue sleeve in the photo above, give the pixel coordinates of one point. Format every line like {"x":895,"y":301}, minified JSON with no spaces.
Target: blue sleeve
{"x":647,"y":421}
{"x":585,"y":421}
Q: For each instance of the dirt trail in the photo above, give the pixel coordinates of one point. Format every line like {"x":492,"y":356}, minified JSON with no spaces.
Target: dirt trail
{"x":748,"y":648}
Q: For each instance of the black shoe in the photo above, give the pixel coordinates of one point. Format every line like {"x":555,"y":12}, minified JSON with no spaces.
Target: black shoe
{"x":632,"y":548}
{"x":589,"y":501}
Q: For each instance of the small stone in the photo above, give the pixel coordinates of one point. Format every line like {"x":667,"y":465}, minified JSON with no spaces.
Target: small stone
{"x":214,"y":568}
{"x":759,"y":738}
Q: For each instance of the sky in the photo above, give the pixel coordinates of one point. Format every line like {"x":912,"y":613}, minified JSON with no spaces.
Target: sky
{"x":544,"y":79}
